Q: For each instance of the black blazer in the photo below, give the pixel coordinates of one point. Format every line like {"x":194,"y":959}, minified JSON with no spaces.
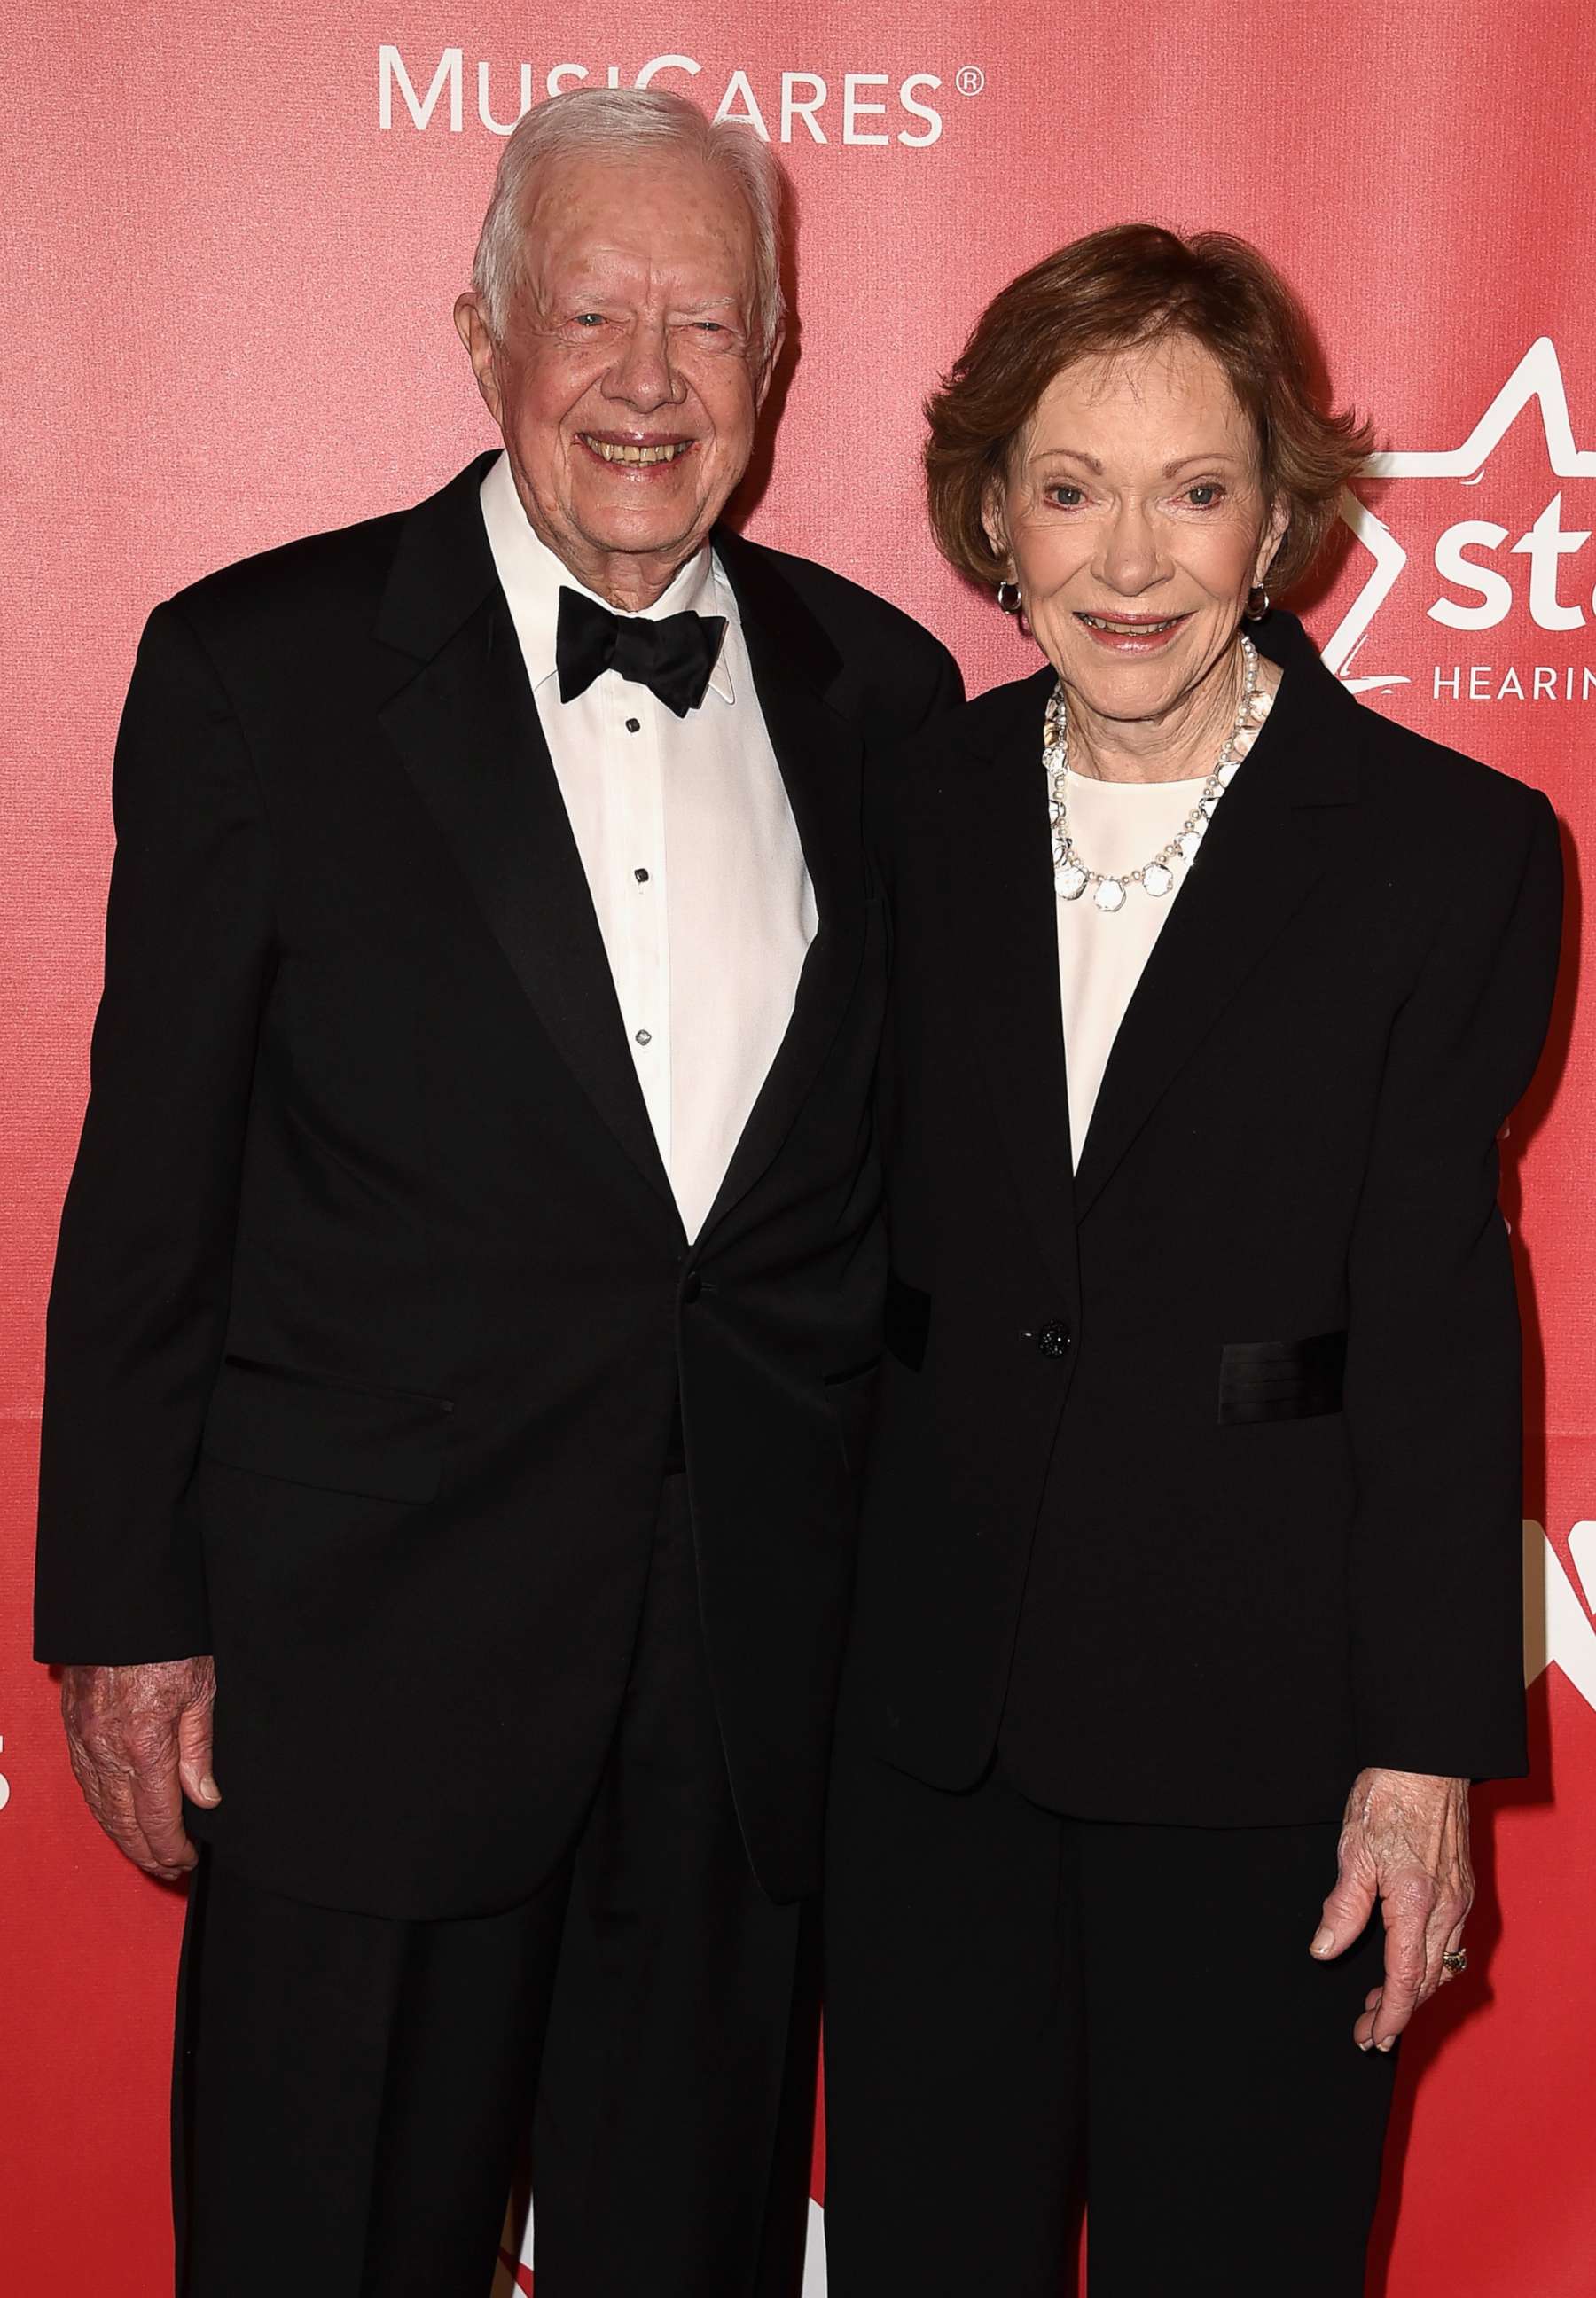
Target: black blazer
{"x":372,"y":1304}
{"x":1196,"y":1479}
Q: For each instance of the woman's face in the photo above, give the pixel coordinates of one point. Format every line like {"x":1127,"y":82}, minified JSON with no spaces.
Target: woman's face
{"x":1134,"y":515}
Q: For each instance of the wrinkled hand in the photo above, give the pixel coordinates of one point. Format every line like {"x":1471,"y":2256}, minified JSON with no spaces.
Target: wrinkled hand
{"x":136,"y":1737}
{"x":1404,"y":1840}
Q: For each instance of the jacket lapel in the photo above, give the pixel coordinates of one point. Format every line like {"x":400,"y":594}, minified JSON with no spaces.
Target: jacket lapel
{"x":467,"y":728}
{"x":819,"y":753}
{"x":1003,"y":912}
{"x":1256,"y":869}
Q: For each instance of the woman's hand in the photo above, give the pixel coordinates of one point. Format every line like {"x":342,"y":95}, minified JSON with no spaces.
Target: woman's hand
{"x":1404,"y":1841}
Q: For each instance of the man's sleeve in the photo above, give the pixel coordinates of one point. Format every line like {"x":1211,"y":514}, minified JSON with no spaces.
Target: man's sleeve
{"x":1433,"y":1379}
{"x":139,"y":1301}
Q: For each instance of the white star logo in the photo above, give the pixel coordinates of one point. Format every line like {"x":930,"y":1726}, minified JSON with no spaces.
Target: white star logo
{"x":1537,"y":376}
{"x":1558,"y":1630}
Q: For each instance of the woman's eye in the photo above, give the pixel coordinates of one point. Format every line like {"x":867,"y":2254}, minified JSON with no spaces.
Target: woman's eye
{"x":1066,"y":496}
{"x":590,"y":319}
{"x":1205,"y":494}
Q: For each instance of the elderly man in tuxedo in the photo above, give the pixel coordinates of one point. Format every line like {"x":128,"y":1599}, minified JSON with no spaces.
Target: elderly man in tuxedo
{"x":469,"y":1290}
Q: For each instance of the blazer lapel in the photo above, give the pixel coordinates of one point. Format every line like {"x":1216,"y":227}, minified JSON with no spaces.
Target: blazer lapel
{"x":467,"y":728}
{"x":819,"y":753}
{"x":1255,"y":870}
{"x":1003,"y":912}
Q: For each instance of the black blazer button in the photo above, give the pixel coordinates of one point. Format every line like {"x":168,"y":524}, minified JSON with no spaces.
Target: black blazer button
{"x":1054,"y":1338}
{"x":691,"y":1287}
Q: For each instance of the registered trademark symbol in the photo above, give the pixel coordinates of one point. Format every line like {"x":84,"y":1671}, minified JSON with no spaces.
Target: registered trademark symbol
{"x":970,"y":79}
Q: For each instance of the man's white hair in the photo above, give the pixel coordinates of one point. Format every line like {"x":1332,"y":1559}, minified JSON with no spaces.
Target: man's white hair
{"x":619,"y":123}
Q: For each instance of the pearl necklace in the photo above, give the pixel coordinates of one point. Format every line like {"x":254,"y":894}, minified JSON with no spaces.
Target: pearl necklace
{"x":1072,"y":876}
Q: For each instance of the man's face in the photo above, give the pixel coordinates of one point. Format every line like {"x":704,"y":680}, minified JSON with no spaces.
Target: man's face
{"x":630,"y":375}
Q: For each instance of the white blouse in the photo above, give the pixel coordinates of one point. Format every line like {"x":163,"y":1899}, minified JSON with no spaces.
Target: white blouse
{"x":1115,"y":826}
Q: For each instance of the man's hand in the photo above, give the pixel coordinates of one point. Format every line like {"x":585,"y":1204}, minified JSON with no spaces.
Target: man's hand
{"x":1404,"y":1840}
{"x":137,"y":1735}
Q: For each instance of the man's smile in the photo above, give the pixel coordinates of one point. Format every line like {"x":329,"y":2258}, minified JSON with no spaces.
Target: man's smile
{"x":633,"y":452}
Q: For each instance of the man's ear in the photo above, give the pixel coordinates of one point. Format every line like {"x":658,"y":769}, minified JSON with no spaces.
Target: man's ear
{"x":767,"y":369}
{"x":472,"y":326}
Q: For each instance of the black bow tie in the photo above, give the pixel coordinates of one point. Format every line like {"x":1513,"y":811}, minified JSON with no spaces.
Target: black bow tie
{"x":673,"y":656}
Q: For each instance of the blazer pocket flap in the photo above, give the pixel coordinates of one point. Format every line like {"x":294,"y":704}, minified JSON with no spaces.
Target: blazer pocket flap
{"x":281,"y":1423}
{"x":1281,"y":1380}
{"x":851,"y":1395}
{"x":906,"y":1321}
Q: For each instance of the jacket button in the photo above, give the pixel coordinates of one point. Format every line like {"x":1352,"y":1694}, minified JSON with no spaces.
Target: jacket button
{"x":691,"y":1287}
{"x":1054,"y":1339}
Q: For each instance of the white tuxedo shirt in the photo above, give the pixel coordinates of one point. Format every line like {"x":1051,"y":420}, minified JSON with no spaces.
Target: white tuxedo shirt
{"x":692,"y":854}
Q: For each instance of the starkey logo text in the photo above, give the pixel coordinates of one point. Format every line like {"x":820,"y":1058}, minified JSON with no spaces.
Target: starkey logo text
{"x":1481,"y":572}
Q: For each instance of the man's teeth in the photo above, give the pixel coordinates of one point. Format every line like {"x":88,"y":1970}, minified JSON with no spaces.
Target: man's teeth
{"x":1131,"y":630}
{"x":617,"y":453}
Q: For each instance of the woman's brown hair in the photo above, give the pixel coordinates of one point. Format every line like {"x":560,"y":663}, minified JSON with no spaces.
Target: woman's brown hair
{"x":1114,"y":291}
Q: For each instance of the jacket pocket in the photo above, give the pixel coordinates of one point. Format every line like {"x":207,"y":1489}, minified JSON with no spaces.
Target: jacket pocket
{"x":906,"y":1321}
{"x":851,"y":1396}
{"x":1281,"y":1380}
{"x":278,"y":1422}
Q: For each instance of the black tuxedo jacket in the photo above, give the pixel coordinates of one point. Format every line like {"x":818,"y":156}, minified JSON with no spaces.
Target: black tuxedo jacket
{"x":372,"y":1307}
{"x":1195,"y":1485}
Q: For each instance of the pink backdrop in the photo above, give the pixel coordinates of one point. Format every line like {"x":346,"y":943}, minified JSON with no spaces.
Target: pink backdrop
{"x":229,"y":270}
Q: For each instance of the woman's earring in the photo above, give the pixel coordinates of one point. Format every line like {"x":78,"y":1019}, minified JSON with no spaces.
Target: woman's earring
{"x":1008,"y":598}
{"x":1257,"y":603}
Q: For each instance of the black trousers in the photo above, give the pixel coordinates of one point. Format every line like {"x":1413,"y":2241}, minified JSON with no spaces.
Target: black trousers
{"x":352,"y":2093}
{"x":1023,"y":2008}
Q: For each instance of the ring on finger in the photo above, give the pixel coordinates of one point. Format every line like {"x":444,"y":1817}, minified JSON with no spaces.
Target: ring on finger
{"x":1455,"y":1961}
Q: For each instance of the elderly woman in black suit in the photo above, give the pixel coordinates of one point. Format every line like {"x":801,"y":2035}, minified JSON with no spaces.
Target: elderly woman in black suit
{"x":1189,"y":1598}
